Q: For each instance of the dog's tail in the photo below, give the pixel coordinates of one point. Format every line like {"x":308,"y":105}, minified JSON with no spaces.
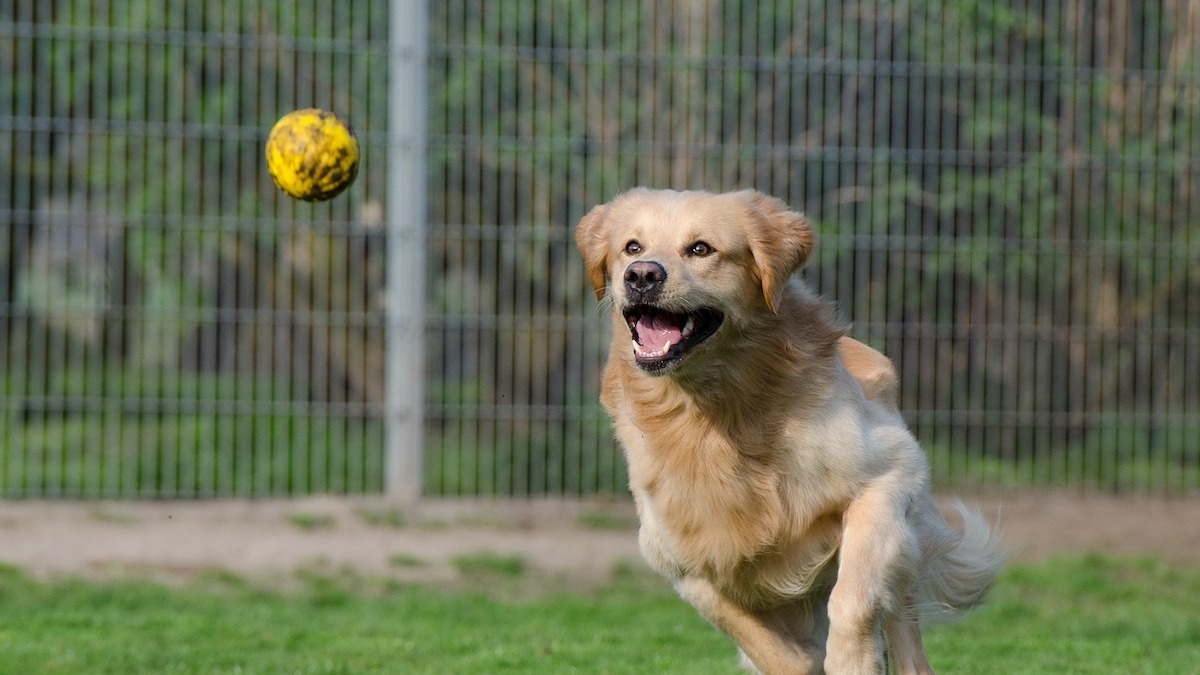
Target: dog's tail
{"x":960,"y":567}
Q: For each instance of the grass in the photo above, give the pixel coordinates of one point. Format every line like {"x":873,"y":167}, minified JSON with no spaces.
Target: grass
{"x":489,"y":564}
{"x":334,"y":626}
{"x":402,"y":560}
{"x":394,"y":518}
{"x":1071,"y":615}
{"x":1079,"y":615}
{"x":608,"y":521}
{"x":312,"y":521}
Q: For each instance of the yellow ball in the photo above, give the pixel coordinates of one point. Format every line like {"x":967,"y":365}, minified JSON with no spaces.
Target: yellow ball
{"x":312,"y":155}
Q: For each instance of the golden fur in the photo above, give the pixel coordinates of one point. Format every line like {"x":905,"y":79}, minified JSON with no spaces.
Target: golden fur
{"x":776,"y":483}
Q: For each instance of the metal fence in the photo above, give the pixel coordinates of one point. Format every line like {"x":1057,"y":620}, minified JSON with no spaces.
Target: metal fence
{"x":170,"y":324}
{"x":1004,"y":194}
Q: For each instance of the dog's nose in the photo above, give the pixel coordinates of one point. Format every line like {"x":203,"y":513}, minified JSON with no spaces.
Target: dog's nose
{"x":644,"y":276}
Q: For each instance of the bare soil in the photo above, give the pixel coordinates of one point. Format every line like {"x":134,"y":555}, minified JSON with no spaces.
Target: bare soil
{"x":582,"y":542}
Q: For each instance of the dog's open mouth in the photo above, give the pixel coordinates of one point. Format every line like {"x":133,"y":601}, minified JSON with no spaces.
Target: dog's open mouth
{"x":662,"y":338}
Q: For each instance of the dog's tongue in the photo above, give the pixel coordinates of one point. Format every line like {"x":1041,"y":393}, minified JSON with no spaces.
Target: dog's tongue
{"x":656,"y":330}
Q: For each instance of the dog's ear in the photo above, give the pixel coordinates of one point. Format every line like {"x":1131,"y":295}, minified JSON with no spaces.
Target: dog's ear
{"x":781,"y":241}
{"x":593,"y":245}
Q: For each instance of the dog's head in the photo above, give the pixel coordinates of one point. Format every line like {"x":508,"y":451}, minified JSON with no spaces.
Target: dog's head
{"x":681,"y":266}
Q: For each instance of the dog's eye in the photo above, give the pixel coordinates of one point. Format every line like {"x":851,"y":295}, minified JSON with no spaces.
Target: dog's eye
{"x":633,"y":247}
{"x":700,"y":249}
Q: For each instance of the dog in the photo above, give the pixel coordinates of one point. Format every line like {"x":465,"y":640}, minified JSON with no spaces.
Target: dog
{"x":775,"y":480}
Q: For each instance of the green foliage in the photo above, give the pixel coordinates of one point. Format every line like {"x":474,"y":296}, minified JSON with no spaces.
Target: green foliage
{"x":103,"y":434}
{"x":514,"y":458}
{"x":1025,"y":165}
{"x":1121,"y":455}
{"x":480,"y":444}
{"x":154,"y":114}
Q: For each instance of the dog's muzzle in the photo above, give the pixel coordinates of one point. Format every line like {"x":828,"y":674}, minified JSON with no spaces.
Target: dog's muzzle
{"x":662,"y":338}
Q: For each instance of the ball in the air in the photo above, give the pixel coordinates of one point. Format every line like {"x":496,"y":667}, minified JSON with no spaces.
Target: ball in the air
{"x":312,"y":155}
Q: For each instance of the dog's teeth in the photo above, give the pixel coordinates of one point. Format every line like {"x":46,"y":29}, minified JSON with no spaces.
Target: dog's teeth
{"x":637,"y":348}
{"x":688,"y":327}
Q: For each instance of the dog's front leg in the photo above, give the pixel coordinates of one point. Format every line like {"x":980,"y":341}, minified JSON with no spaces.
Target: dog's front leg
{"x":876,"y":565}
{"x":769,"y":646}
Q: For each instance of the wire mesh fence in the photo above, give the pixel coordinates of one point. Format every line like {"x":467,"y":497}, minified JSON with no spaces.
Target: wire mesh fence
{"x":170,"y":324}
{"x":1004,"y":195}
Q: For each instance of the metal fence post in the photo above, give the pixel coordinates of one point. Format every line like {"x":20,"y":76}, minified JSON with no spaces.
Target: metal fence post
{"x":406,"y":216}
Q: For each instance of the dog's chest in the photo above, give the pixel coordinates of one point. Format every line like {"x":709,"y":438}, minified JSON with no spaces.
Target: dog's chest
{"x":756,"y":550}
{"x":703,"y":505}
{"x":711,"y":507}
{"x":710,"y":486}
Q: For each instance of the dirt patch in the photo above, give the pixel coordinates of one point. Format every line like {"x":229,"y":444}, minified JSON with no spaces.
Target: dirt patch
{"x":1040,"y":525}
{"x":263,"y":540}
{"x":580,"y":541}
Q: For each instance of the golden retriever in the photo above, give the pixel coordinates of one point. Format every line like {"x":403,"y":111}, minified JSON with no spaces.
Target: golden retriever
{"x":776,"y":483}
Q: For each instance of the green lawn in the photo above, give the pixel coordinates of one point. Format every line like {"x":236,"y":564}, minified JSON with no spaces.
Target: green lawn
{"x":1074,"y":615}
{"x":1079,"y":615}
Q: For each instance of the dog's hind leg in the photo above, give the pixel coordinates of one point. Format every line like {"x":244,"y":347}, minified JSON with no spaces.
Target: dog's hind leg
{"x":874,"y":371}
{"x":902,"y":631}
